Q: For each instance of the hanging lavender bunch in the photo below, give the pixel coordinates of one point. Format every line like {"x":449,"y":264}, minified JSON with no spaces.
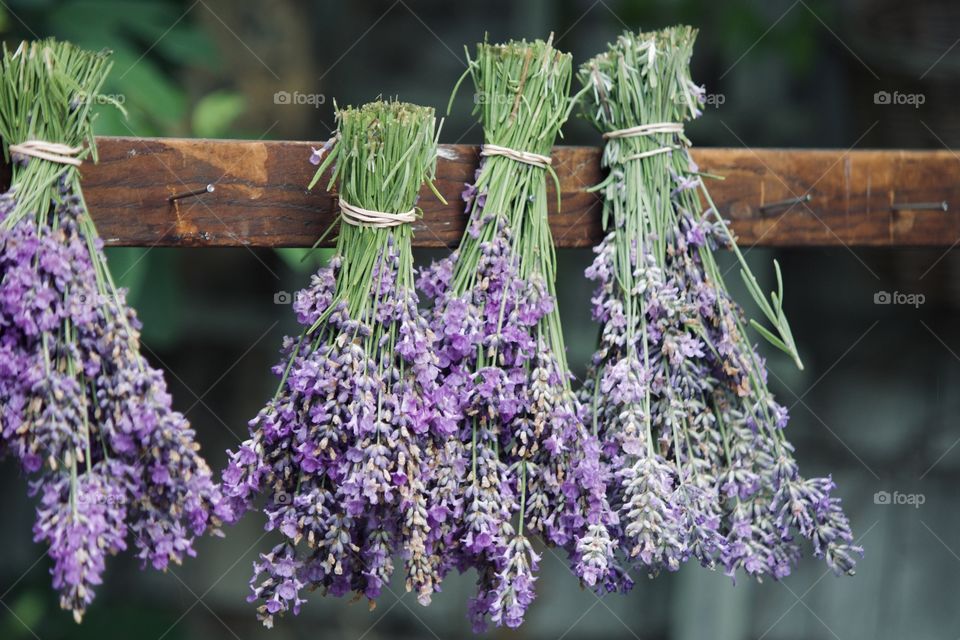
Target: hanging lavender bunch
{"x":88,"y":419}
{"x":677,"y":391}
{"x":346,"y":448}
{"x":531,"y":469}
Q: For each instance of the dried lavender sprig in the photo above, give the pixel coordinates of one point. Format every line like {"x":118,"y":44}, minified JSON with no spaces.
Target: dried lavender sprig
{"x":348,"y":446}
{"x":80,"y":407}
{"x":532,"y":468}
{"x":678,"y":392}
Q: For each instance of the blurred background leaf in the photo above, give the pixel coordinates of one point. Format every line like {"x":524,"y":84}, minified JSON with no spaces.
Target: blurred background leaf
{"x":215,"y":114}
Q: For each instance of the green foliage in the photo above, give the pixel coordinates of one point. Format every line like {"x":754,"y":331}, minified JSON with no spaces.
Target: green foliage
{"x":146,"y":56}
{"x":26,"y":612}
{"x":152,"y":280}
{"x":304,"y":260}
{"x":739,"y":25}
{"x":216,"y":112}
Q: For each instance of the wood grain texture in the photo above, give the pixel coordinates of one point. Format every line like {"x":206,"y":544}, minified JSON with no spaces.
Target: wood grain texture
{"x":260,"y":196}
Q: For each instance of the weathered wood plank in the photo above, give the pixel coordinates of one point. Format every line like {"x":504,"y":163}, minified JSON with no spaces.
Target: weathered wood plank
{"x":260,"y":197}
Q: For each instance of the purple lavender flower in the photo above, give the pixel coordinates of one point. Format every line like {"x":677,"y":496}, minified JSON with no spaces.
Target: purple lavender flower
{"x":527,"y":453}
{"x":88,"y":419}
{"x":85,"y":414}
{"x":83,"y":522}
{"x":674,"y":369}
{"x":354,"y":428}
{"x":677,"y":393}
{"x":351,"y":453}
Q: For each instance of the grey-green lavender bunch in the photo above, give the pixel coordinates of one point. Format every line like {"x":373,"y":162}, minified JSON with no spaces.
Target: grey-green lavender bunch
{"x":677,"y":391}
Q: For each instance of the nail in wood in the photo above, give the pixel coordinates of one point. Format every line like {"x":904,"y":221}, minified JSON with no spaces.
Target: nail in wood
{"x":920,"y":206}
{"x":187,"y":194}
{"x":786,"y":203}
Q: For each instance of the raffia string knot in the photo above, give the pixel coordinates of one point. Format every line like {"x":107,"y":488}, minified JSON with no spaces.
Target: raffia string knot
{"x":360,"y":217}
{"x":52,"y":151}
{"x":526,"y":157}
{"x":647,"y":130}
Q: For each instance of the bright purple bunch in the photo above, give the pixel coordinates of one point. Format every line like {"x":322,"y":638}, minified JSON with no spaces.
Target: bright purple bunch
{"x":347,"y":451}
{"x":88,"y":419}
{"x":527,"y":456}
{"x":531,"y":467}
{"x":344,"y":451}
{"x":84,"y":413}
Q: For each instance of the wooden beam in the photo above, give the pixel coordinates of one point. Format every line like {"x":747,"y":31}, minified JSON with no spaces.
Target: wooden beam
{"x":260,"y":196}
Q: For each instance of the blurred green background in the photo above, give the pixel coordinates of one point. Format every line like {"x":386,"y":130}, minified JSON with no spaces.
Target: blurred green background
{"x":876,"y":405}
